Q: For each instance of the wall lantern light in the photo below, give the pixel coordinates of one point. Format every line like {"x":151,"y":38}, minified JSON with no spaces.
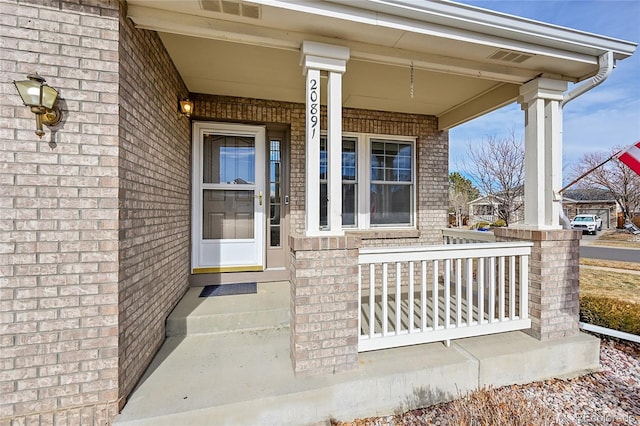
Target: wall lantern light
{"x":186,"y":107}
{"x":35,"y":93}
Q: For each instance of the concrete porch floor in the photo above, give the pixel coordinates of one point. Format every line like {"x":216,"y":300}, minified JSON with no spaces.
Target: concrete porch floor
{"x":246,"y":378}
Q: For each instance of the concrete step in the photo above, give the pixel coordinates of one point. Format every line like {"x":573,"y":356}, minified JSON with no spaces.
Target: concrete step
{"x":266,"y":309}
{"x":245,"y":378}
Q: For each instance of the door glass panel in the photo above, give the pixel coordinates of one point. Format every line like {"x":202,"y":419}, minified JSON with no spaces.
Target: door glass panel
{"x":275,"y":195}
{"x":228,"y":159}
{"x":227,"y":215}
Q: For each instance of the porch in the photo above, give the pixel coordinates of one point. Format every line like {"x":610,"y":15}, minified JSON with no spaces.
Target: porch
{"x":244,"y":375}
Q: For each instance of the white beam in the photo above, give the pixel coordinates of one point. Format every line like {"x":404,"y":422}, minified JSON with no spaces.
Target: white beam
{"x":497,"y":97}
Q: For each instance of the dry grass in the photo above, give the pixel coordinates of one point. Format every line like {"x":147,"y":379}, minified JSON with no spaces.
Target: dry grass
{"x":630,"y":266}
{"x":489,"y":407}
{"x":617,"y":238}
{"x":484,"y":407}
{"x":615,"y":285}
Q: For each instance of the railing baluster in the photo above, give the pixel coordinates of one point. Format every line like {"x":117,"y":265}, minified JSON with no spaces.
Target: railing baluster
{"x":372,"y":299}
{"x":480,"y":290}
{"x":423,"y":296}
{"x":359,"y":299}
{"x":501,"y":284}
{"x":411,"y":296}
{"x":492,"y":288}
{"x":398,"y":296}
{"x":385,"y":296}
{"x":512,"y":287}
{"x":458,"y":292}
{"x":436,"y":295}
{"x":524,"y":287}
{"x":469,"y":284}
{"x":447,"y":293}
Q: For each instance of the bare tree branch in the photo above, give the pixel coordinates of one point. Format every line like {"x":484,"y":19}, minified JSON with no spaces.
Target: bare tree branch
{"x":497,"y":166}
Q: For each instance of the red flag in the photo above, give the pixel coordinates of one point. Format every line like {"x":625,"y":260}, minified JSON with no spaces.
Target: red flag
{"x":631,"y":157}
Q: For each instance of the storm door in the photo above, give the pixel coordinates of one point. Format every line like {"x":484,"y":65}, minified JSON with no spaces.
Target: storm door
{"x":228,"y":198}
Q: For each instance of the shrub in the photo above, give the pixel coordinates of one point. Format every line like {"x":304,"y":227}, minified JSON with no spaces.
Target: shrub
{"x":499,"y":223}
{"x":610,"y":313}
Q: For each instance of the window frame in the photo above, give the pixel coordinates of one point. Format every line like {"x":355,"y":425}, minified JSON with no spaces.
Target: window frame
{"x":355,"y":138}
{"x":363,"y":180}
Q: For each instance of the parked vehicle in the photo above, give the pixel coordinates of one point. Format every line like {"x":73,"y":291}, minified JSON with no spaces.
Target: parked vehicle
{"x":589,"y":223}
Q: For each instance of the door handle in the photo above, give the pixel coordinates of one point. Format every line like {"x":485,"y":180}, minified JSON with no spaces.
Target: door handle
{"x":259,"y":197}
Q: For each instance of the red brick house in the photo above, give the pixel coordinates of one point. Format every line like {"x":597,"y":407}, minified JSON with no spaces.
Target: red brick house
{"x":318,"y":136}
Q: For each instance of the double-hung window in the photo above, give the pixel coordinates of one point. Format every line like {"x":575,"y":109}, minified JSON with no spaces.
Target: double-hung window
{"x":349,"y":181}
{"x":378,"y":181}
{"x":391,"y":190}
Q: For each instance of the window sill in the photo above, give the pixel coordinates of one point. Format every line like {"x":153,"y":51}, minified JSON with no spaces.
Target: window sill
{"x":383,"y":234}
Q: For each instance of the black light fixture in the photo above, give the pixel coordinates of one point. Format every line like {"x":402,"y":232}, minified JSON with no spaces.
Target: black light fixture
{"x":41,"y":98}
{"x":186,"y":107}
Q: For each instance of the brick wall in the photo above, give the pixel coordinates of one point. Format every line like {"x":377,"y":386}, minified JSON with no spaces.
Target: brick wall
{"x":154,"y":170}
{"x":432,"y":165}
{"x":59,"y":220}
{"x":324,"y":304}
{"x":554,"y":280}
{"x":94,"y":236}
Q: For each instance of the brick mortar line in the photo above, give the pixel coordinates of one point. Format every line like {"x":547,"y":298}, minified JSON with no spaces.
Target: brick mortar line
{"x":103,"y":405}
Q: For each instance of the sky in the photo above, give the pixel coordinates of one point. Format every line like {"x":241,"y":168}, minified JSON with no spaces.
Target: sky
{"x":606,"y":116}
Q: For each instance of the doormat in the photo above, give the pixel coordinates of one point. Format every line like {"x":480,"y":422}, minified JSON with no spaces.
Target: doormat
{"x":229,"y":289}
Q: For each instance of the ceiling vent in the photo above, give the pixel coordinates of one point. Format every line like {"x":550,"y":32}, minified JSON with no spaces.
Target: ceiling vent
{"x":510,"y":56}
{"x":231,"y":8}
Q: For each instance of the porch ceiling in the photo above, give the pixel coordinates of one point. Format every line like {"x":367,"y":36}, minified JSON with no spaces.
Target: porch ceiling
{"x":454,"y":77}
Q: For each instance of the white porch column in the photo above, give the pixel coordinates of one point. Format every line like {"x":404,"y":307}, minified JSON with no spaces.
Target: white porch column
{"x":334,"y":151}
{"x":540,"y":99}
{"x":317,"y":57}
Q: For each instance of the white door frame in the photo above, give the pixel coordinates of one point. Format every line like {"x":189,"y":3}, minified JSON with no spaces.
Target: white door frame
{"x":227,"y":255}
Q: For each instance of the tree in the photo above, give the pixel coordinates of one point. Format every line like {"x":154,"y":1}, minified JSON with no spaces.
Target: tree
{"x":497,"y":165}
{"x":622,"y":182}
{"x":461,"y":191}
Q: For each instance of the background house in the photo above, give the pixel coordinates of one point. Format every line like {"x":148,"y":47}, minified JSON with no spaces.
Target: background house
{"x":591,"y":201}
{"x":491,"y":208}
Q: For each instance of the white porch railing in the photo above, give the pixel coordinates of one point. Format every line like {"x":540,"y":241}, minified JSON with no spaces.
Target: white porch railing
{"x":466,"y":236}
{"x":437,"y":293}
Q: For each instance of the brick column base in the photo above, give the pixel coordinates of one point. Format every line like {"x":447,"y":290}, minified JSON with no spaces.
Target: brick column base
{"x":554,"y":280}
{"x":324,"y":304}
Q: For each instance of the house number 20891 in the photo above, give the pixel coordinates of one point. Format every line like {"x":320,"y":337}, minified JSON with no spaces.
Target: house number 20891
{"x":313,"y":106}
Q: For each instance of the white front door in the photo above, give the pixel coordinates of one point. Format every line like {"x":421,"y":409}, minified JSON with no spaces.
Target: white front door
{"x":228,"y":198}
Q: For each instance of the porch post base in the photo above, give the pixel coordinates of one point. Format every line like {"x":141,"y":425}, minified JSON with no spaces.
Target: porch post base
{"x":554,"y":280}
{"x":324,"y":304}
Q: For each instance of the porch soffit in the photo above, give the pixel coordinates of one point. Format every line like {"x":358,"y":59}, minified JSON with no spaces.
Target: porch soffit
{"x":454,"y":79}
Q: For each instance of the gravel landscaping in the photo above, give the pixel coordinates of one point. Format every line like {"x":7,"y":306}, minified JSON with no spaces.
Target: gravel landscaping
{"x":610,"y":396}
